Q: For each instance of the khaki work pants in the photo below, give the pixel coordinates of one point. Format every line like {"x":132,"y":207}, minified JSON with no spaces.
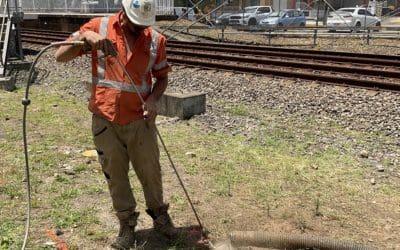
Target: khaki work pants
{"x":117,"y":145}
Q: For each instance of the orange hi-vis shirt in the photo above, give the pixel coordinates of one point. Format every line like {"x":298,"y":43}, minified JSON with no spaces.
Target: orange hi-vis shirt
{"x":113,"y":96}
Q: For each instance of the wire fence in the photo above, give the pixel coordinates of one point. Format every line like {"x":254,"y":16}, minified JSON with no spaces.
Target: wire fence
{"x":163,"y":7}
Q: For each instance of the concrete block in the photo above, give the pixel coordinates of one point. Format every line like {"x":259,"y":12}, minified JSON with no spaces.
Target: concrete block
{"x":183,"y":106}
{"x":18,"y":65}
{"x":7,"y":83}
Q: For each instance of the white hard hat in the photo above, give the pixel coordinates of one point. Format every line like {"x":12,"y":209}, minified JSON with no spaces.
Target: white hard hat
{"x":140,"y":12}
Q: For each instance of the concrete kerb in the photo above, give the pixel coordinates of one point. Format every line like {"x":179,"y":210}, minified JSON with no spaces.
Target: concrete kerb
{"x":183,"y":106}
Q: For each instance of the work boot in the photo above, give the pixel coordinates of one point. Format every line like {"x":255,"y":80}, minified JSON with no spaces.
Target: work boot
{"x":162,"y":222}
{"x":126,"y":235}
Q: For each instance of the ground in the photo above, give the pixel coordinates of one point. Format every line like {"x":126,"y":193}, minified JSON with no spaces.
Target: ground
{"x":277,"y":155}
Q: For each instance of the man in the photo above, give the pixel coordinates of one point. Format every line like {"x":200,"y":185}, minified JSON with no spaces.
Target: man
{"x":123,"y":127}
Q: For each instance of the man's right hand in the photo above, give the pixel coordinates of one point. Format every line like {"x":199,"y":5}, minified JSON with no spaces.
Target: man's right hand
{"x":93,"y":39}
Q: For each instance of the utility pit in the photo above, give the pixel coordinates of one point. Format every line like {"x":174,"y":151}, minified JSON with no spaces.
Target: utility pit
{"x":180,"y":105}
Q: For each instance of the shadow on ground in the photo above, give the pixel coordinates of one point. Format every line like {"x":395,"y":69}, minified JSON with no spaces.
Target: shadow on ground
{"x":30,"y":52}
{"x":188,"y":239}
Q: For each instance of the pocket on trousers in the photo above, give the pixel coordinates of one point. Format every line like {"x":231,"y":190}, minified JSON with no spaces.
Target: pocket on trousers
{"x":101,"y":131}
{"x":99,"y":126}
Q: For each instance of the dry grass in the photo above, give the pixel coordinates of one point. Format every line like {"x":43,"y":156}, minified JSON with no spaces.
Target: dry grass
{"x":278,"y":179}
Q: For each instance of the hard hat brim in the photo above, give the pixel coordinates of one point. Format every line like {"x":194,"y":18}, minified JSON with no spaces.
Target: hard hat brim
{"x":133,"y":19}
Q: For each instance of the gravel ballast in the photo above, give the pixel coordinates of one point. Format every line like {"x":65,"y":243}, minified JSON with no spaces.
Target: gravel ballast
{"x":375,"y":112}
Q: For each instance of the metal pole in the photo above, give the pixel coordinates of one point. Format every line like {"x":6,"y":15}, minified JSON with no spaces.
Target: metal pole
{"x":368,"y":33}
{"x":317,"y":12}
{"x":365,"y":19}
{"x":315,"y":37}
{"x":107,"y":6}
{"x":16,"y":5}
{"x":8,"y":14}
{"x":269,"y":37}
{"x":242,"y":10}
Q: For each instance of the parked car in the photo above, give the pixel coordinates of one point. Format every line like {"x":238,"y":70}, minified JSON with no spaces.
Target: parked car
{"x":223,"y":19}
{"x":352,"y":19}
{"x":285,"y":18}
{"x":250,"y":15}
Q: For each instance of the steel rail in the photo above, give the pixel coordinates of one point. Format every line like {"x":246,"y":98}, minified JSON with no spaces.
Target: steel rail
{"x":287,"y":63}
{"x":280,"y":49}
{"x":348,"y":81}
{"x":41,"y":36}
{"x":384,"y":60}
{"x":42,"y":31}
{"x":298,"y":55}
{"x":42,"y":41}
{"x":63,"y":34}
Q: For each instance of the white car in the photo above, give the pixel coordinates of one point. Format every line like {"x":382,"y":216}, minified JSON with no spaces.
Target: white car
{"x":353,"y":19}
{"x":250,"y":15}
{"x":285,"y":18}
{"x":223,"y":19}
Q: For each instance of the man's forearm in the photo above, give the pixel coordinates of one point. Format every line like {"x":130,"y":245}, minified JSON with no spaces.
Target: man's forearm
{"x":159,"y":87}
{"x":69,"y":52}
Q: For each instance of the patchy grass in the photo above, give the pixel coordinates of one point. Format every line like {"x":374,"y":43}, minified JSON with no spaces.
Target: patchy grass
{"x":237,"y":110}
{"x":280,"y":178}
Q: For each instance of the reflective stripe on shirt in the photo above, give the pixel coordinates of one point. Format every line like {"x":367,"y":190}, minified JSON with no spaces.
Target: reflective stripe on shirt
{"x":144,"y":88}
{"x":153,"y":52}
{"x":101,"y":81}
{"x":160,"y":65}
{"x":101,"y":59}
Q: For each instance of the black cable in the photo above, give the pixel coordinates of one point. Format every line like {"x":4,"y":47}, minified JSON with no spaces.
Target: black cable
{"x":26,"y":102}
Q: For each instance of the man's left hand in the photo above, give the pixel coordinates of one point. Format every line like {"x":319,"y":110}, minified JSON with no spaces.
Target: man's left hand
{"x":150,"y":109}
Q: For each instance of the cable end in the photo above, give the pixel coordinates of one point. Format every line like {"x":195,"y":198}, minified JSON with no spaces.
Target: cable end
{"x":26,"y":101}
{"x":72,"y":43}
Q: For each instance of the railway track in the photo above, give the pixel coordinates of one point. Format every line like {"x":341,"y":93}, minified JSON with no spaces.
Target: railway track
{"x":350,"y":69}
